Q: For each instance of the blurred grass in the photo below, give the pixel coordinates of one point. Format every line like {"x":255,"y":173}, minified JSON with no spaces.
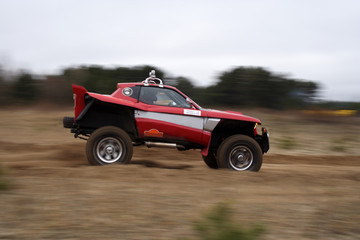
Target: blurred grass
{"x":339,"y":145}
{"x":287,"y":143}
{"x":218,"y":224}
{"x":4,"y":182}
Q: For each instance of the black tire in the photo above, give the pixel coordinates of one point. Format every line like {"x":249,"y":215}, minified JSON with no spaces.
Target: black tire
{"x":239,"y":153}
{"x":210,"y":160}
{"x":68,"y":122}
{"x":108,"y":145}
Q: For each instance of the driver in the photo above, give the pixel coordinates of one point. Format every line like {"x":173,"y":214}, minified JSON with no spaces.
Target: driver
{"x":148,"y":96}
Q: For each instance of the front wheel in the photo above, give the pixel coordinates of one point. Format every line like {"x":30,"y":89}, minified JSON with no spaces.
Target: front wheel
{"x":240,"y":153}
{"x":108,"y":145}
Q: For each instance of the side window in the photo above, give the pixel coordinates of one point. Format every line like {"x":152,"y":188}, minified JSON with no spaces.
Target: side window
{"x":162,"y":97}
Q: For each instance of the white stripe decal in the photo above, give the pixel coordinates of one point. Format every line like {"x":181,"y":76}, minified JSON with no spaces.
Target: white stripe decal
{"x":188,"y":121}
{"x":192,"y":112}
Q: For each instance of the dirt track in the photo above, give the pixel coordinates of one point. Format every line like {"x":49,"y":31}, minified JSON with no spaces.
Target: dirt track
{"x":55,"y":194}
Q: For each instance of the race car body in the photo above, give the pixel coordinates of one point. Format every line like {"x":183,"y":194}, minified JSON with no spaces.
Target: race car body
{"x":158,"y":115}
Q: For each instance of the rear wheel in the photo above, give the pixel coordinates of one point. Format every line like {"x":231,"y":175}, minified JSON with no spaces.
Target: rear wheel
{"x":109,"y":145}
{"x":240,"y":153}
{"x":210,"y":160}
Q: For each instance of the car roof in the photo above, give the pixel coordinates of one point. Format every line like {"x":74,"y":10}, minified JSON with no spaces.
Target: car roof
{"x":130,"y":84}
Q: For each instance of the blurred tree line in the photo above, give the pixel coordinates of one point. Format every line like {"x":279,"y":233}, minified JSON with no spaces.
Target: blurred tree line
{"x":256,"y":87}
{"x":238,"y":87}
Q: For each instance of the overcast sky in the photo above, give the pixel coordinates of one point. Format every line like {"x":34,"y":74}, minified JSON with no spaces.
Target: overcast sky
{"x":317,"y":40}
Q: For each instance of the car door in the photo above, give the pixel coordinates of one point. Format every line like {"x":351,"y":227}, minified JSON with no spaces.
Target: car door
{"x":164,"y":115}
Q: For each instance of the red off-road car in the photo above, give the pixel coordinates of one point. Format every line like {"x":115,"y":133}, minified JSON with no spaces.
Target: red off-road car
{"x":152,"y":114}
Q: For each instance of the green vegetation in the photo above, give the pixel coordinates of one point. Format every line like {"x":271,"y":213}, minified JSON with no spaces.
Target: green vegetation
{"x":4,"y":183}
{"x":338,"y":145}
{"x":257,"y":87}
{"x":218,"y":225}
{"x":237,"y":87}
{"x":241,"y":86}
{"x":287,"y":143}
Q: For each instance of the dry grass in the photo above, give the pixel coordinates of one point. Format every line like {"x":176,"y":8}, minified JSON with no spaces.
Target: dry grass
{"x":308,"y":192}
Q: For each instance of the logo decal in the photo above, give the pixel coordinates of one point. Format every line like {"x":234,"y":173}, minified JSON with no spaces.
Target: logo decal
{"x":127,"y":92}
{"x":192,"y":112}
{"x":153,"y":133}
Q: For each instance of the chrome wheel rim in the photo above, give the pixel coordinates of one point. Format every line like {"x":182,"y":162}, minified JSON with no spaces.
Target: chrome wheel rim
{"x":109,"y":150}
{"x":241,"y":158}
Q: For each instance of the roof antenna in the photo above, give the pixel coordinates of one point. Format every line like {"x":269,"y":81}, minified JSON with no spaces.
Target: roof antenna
{"x":152,"y":78}
{"x":152,"y":74}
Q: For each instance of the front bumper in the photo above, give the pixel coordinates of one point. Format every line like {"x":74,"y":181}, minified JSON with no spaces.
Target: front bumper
{"x":265,"y":140}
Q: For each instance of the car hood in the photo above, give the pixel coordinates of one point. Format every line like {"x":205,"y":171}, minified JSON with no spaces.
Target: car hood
{"x":230,"y":115}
